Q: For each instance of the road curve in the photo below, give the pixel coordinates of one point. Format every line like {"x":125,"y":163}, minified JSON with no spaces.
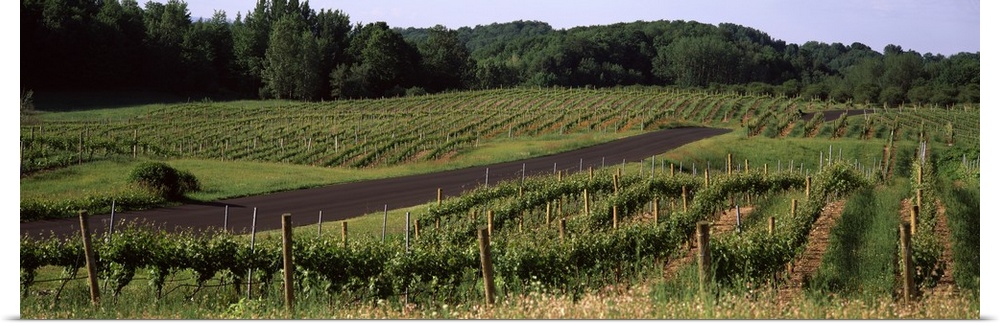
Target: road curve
{"x":342,"y":201}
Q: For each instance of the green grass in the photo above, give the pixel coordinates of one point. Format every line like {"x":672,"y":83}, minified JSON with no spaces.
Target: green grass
{"x":860,"y":259}
{"x":803,"y":153}
{"x":962,"y":209}
{"x":229,"y":179}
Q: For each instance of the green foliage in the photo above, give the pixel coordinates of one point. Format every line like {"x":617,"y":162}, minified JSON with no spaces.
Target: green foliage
{"x":757,"y":257}
{"x":163,"y":180}
{"x":112,"y":44}
{"x":40,"y":209}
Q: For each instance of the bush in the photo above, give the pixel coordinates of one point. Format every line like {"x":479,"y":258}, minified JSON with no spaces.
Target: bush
{"x":163,"y":180}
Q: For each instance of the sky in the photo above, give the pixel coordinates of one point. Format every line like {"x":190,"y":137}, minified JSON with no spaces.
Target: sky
{"x":926,"y":26}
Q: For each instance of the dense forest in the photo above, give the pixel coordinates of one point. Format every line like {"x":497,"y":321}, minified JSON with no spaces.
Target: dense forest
{"x":285,"y":49}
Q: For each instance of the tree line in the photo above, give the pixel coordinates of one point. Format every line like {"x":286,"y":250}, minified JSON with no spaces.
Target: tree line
{"x":285,"y":49}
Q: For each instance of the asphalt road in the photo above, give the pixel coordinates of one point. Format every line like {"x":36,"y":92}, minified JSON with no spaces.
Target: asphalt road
{"x":342,"y":201}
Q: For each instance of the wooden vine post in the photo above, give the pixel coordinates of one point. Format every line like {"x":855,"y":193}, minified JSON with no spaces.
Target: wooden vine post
{"x":909,"y":290}
{"x":684,"y":198}
{"x":489,"y":223}
{"x":795,"y":205}
{"x":616,"y":182}
{"x":614,"y":217}
{"x":289,"y":268}
{"x":586,"y":202}
{"x":656,"y":211}
{"x":416,"y":229}
{"x":770,"y":225}
{"x":439,"y":196}
{"x":920,"y":197}
{"x":562,"y":230}
{"x":343,"y":232}
{"x":808,"y":185}
{"x":487,"y":265}
{"x":729,"y":164}
{"x":88,"y":252}
{"x":914,"y":215}
{"x":706,"y":178}
{"x":704,"y":256}
{"x":671,"y":170}
{"x":920,"y":175}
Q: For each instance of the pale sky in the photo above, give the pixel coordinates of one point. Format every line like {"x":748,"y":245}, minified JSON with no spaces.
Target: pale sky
{"x":937,"y":26}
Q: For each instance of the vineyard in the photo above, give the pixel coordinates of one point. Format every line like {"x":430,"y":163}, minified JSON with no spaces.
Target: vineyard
{"x":373,"y":133}
{"x":565,"y":235}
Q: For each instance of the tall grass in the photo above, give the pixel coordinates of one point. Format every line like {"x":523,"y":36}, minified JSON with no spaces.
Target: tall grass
{"x":861,"y":258}
{"x":962,"y":209}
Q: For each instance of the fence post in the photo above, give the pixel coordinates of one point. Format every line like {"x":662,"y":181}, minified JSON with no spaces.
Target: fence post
{"x":770,"y":225}
{"x":920,"y":175}
{"x":907,"y":268}
{"x":343,"y":232}
{"x":253,"y":239}
{"x":88,"y":251}
{"x":615,"y":179}
{"x":487,"y":265}
{"x":385,"y":218}
{"x":920,"y":197}
{"x":684,"y":198}
{"x":808,"y":185}
{"x":416,"y":229}
{"x":319,"y":225}
{"x":704,"y":256}
{"x":562,"y":229}
{"x":289,"y":268}
{"x":225,"y":220}
{"x":729,"y":164}
{"x":489,"y":222}
{"x":614,"y":217}
{"x":656,"y":211}
{"x":738,"y":219}
{"x":111,"y":227}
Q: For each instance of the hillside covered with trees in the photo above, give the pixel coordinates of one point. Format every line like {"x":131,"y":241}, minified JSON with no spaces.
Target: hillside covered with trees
{"x":285,"y":49}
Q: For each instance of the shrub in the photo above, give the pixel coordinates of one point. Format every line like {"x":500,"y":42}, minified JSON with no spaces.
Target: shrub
{"x":163,"y":180}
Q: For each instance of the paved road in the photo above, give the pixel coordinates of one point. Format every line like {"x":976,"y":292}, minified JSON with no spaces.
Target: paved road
{"x":348,"y":200}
